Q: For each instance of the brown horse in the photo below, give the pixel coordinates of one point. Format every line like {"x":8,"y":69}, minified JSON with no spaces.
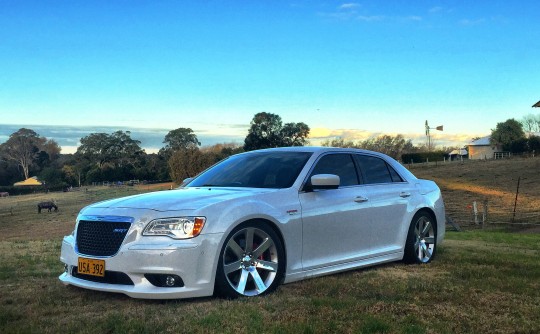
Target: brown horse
{"x":47,"y":205}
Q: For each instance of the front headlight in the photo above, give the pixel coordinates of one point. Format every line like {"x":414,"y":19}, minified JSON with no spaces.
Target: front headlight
{"x":176,"y":228}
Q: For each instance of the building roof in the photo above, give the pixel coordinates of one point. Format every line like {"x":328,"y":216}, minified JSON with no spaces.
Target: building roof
{"x":484,"y":141}
{"x":536,"y":105}
{"x":461,"y":151}
{"x":31,"y":181}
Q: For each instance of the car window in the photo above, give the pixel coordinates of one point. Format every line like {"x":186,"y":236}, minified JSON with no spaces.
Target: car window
{"x":376,"y":170}
{"x":255,"y":170}
{"x":341,"y":165}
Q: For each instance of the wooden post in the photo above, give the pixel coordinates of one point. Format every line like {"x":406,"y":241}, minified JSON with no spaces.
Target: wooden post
{"x":515,"y":202}
{"x":485,"y":214}
{"x":475,"y":209}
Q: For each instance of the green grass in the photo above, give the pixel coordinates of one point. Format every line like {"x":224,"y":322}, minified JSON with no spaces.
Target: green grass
{"x":480,"y":282}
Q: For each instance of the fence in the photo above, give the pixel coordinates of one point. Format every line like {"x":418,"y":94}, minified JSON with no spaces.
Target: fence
{"x":486,"y":214}
{"x":488,"y":193}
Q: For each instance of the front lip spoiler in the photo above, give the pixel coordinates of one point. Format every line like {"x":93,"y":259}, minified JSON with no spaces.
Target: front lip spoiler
{"x":149,"y":291}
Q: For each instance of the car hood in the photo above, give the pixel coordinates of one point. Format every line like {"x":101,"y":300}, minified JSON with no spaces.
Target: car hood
{"x":180,"y":199}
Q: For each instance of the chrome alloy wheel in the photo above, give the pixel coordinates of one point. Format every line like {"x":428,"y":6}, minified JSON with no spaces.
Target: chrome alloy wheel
{"x":424,"y":244}
{"x":250,"y":261}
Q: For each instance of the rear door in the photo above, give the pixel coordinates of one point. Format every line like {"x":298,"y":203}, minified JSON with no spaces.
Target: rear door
{"x":336,"y":222}
{"x":389,"y":197}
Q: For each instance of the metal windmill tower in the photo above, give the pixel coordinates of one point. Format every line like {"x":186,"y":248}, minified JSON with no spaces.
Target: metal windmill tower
{"x":440,"y":128}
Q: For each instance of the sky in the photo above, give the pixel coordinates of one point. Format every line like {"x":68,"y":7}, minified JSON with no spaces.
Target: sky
{"x":349,"y":69}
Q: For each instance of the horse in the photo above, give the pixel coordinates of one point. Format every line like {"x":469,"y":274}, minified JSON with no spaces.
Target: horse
{"x":47,"y":205}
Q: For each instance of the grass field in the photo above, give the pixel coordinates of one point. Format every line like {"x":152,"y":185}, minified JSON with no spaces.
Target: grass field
{"x":481,"y":281}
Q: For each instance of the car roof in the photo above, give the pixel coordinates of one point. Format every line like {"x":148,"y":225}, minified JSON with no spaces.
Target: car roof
{"x":316,"y":149}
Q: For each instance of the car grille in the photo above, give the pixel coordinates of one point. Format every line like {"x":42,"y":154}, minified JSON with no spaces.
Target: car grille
{"x":100,"y":238}
{"x":111,"y":277}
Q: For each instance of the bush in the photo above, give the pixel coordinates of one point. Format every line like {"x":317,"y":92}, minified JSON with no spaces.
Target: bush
{"x":423,"y":157}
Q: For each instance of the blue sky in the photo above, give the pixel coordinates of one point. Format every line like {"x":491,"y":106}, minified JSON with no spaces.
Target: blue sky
{"x":346,"y":68}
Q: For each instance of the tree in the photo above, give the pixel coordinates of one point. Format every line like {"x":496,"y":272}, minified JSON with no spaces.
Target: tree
{"x":187,"y":163}
{"x":294,"y":134}
{"x":117,"y":149}
{"x":22,"y":147}
{"x":533,"y":144}
{"x":104,"y":156}
{"x":531,"y":123}
{"x":393,"y":146}
{"x":506,"y":133}
{"x":178,"y":139}
{"x":267,"y":131}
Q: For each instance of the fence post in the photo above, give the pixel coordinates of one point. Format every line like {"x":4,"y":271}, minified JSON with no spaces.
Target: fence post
{"x":475,"y":209}
{"x":515,"y":202}
{"x":485,"y":214}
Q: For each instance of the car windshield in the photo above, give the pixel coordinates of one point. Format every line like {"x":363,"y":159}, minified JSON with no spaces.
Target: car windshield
{"x":254,"y":170}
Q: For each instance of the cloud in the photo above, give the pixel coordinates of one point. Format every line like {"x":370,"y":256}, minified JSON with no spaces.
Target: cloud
{"x":151,"y":139}
{"x":413,"y":18}
{"x":319,"y":135}
{"x":472,"y":22}
{"x":348,"y":6}
{"x":371,"y":18}
{"x":436,"y":9}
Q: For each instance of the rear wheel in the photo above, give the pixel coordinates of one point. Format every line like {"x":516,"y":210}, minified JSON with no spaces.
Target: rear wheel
{"x":421,"y":239}
{"x":251,"y":262}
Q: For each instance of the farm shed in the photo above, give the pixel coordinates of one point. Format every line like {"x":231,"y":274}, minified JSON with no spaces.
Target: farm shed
{"x":458,"y":154}
{"x":31,"y":181}
{"x":482,"y":148}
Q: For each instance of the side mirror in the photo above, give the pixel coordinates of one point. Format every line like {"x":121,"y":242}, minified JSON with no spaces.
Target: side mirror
{"x":324,"y":181}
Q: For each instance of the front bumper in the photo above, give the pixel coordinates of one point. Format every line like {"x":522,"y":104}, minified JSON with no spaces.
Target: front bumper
{"x":194,"y":260}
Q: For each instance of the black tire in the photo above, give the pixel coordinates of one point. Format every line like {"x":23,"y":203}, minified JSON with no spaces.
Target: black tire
{"x":250,"y":268}
{"x":421,"y":243}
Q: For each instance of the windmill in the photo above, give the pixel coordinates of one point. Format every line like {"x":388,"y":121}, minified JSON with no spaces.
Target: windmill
{"x":440,"y":128}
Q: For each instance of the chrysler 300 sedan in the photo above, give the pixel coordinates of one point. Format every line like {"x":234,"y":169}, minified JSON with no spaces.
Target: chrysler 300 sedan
{"x":254,"y":221}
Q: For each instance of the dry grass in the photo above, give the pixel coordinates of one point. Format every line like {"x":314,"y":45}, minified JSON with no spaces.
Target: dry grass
{"x":21,"y":211}
{"x":492,"y":180}
{"x":481,"y":281}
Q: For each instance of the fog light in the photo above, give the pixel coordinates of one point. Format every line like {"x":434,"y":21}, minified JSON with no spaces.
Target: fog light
{"x":165,"y":280}
{"x":169,"y":281}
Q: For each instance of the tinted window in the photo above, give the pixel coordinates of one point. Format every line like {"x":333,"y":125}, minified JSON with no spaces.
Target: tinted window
{"x":375,"y":170}
{"x":255,"y":170}
{"x":394,"y":174}
{"x":341,"y":165}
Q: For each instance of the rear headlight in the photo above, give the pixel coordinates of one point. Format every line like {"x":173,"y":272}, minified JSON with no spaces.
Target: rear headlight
{"x":176,"y":227}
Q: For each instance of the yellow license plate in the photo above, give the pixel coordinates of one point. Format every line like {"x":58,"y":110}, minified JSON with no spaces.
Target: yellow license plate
{"x":91,"y":267}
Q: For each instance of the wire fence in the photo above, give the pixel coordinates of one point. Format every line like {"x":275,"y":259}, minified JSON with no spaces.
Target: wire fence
{"x":488,"y":193}
{"x":485,"y":214}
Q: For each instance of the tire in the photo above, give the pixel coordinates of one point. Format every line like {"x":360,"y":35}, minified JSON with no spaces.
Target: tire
{"x":251,"y":262}
{"x":421,"y":241}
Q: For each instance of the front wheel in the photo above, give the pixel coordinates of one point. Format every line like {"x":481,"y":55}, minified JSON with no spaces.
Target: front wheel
{"x":421,"y":239}
{"x":251,"y":263}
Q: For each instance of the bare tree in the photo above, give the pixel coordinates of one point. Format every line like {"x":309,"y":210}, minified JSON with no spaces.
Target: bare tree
{"x":531,"y":123}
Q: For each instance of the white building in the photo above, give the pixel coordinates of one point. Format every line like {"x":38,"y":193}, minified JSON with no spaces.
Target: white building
{"x":482,"y":148}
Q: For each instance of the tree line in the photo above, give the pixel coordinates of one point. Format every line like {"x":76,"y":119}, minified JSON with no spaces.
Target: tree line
{"x":117,"y":156}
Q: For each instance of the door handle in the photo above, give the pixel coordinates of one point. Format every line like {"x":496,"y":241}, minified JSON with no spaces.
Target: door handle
{"x":360,"y":199}
{"x":404,"y":194}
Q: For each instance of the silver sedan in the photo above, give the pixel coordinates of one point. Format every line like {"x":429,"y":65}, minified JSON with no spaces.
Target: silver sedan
{"x":254,"y":221}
